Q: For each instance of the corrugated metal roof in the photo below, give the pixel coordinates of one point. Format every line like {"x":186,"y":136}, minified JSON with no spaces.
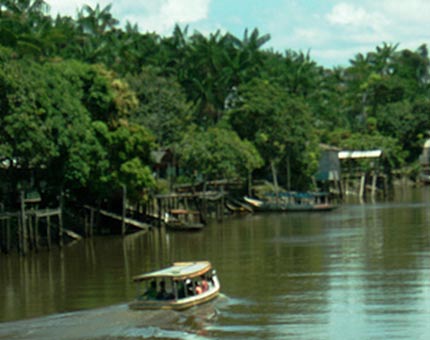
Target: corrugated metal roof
{"x":359,"y":154}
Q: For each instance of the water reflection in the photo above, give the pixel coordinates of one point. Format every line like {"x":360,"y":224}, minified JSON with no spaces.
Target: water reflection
{"x":361,"y":271}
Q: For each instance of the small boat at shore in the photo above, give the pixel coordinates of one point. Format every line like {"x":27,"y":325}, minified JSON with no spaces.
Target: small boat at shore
{"x":183,"y":219}
{"x":293,"y":201}
{"x":180,"y":286}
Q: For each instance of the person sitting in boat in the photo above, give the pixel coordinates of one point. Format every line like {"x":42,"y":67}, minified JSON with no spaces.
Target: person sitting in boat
{"x":204,"y":283}
{"x":181,"y":289}
{"x":163,"y":294}
{"x":199,"y":289}
{"x":189,"y":287}
{"x":151,"y":292}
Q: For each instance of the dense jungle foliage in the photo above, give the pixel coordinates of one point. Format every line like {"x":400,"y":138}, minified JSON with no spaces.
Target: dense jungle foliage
{"x":83,"y":103}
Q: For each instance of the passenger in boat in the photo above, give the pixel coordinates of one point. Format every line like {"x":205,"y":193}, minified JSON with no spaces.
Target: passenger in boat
{"x":163,"y":294}
{"x":181,"y":289}
{"x":151,"y":292}
{"x":204,"y":283}
{"x":189,"y":287}
{"x":199,"y":289}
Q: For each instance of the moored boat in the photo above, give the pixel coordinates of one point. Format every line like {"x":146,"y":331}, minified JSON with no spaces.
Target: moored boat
{"x":180,"y":286}
{"x":293,"y":201}
{"x":183,"y":219}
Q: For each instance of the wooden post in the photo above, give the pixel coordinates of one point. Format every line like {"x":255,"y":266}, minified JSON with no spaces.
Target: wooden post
{"x":160,"y":211}
{"x":86,"y":231}
{"x":288,"y":173}
{"x":124,"y":208}
{"x":362,"y":184}
{"x":60,"y":220}
{"x":222,"y":204}
{"x":60,"y":226}
{"x":275,"y":179}
{"x":48,"y":231}
{"x":385,"y":186}
{"x":374,"y":179}
{"x":249,"y":183}
{"x":23,"y":228}
{"x":2,"y":234}
{"x":8,"y":234}
{"x":91,"y":222}
{"x":31,"y":237}
{"x":36,"y":230}
{"x":340,"y":188}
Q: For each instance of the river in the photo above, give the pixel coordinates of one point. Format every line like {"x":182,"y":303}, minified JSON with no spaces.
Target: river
{"x":359,"y":272}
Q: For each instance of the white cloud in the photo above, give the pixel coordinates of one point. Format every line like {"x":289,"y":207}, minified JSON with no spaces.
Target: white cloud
{"x":163,"y":15}
{"x":185,"y":11}
{"x":348,"y":15}
{"x":151,"y":15}
{"x":410,"y":11}
{"x":70,"y":8}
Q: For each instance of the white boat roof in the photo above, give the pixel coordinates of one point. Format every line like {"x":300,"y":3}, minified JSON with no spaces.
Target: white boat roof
{"x":359,"y":154}
{"x":178,"y":271}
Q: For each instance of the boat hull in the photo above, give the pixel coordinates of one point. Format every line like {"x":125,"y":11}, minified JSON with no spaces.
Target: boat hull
{"x":179,"y":304}
{"x":181,"y":226}
{"x":259,"y":205}
{"x":295,"y":208}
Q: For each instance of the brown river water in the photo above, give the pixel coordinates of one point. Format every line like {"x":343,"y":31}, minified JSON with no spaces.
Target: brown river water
{"x":359,"y":272}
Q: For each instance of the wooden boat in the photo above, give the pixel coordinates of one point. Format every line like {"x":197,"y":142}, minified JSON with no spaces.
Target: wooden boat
{"x":183,"y":219}
{"x":238,"y":207}
{"x":182,"y":285}
{"x":293,"y":201}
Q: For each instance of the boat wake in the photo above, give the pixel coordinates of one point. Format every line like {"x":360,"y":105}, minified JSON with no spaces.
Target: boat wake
{"x":117,"y":322}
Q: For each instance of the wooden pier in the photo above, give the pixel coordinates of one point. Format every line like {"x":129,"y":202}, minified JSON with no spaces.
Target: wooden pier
{"x":208,"y":203}
{"x":24,"y":229}
{"x":92,"y":212}
{"x":31,"y":229}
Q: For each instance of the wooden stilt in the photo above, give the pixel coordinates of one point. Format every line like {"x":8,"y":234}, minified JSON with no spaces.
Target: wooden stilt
{"x":362,"y":185}
{"x":374,"y":178}
{"x":48,"y":231}
{"x":37,"y":235}
{"x":124,"y":209}
{"x":8,"y":235}
{"x":60,"y":228}
{"x":86,"y":227}
{"x":31,"y":236}
{"x":91,"y":222}
{"x":24,"y":237}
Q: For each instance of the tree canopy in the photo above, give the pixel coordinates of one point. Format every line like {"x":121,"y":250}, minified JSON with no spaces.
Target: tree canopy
{"x":83,"y":103}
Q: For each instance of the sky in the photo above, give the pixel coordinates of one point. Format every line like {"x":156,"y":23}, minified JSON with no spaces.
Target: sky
{"x":332,"y":31}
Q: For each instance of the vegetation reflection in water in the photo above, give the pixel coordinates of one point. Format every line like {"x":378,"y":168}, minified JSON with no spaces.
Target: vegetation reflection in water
{"x":298,"y":276}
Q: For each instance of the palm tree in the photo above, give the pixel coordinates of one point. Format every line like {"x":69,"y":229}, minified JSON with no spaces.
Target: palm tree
{"x":248,"y":59}
{"x":96,"y":21}
{"x":25,"y":7}
{"x":210,"y":74}
{"x":22,"y":23}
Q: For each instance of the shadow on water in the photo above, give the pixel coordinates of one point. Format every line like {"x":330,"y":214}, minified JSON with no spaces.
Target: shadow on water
{"x":118,"y":322}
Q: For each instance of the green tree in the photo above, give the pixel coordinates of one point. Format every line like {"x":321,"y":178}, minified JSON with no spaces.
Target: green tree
{"x":44,"y":126}
{"x":281,"y":128}
{"x":163,"y":108}
{"x":217,"y":153}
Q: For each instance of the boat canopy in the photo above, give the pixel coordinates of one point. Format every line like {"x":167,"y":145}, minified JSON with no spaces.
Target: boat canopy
{"x":360,"y":154}
{"x":183,"y":212}
{"x":178,"y":271}
{"x":297,"y":194}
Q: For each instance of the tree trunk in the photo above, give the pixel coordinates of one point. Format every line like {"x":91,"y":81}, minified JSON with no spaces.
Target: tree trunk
{"x":275,"y":178}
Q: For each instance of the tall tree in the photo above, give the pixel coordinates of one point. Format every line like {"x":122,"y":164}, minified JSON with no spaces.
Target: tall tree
{"x":281,"y":128}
